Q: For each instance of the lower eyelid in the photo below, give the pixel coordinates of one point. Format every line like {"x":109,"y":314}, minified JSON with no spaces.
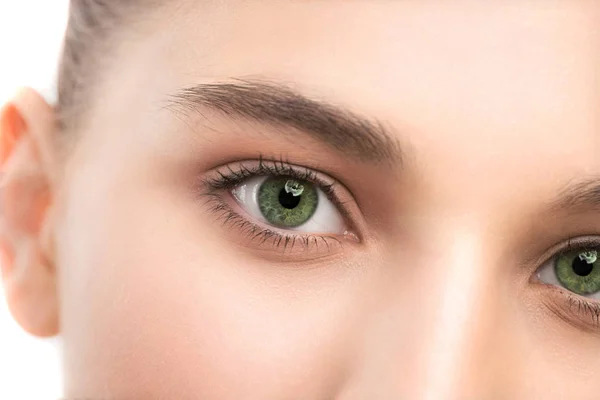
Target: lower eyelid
{"x":578,"y":312}
{"x":303,"y":247}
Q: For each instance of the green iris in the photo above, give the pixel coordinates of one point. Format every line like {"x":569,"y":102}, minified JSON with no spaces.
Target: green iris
{"x":579,"y":271}
{"x":286,"y":202}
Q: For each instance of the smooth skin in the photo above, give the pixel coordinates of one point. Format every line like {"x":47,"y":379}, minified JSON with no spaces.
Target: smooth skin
{"x":494,"y":104}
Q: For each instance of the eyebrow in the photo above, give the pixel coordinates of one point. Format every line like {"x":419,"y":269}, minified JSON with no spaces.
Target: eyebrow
{"x":277,"y":104}
{"x":582,"y":194}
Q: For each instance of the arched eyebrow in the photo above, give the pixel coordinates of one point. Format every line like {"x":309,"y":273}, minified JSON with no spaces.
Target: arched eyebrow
{"x":279,"y":105}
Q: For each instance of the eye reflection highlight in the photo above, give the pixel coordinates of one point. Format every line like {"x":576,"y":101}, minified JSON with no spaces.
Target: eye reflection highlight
{"x":576,"y":270}
{"x":304,"y":208}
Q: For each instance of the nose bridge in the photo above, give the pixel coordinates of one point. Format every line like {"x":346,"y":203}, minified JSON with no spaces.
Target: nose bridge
{"x":453,"y":316}
{"x":433,"y":347}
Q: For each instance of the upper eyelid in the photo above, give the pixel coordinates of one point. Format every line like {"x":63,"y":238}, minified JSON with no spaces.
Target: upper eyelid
{"x":326,"y":180}
{"x":581,"y":242}
{"x":278,"y":167}
{"x":322,"y":180}
{"x":335,"y":190}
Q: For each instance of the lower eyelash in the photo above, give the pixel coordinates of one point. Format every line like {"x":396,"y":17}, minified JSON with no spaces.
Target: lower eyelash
{"x":255,"y":232}
{"x":586,"y":308}
{"x":575,"y":310}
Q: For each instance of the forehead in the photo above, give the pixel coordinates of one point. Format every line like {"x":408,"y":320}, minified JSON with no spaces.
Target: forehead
{"x":470,"y":85}
{"x":488,"y":59}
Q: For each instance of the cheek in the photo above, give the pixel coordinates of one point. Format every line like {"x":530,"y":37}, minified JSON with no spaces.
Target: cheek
{"x":154,"y":304}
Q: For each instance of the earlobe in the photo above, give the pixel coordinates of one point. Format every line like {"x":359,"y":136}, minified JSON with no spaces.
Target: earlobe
{"x":26,"y":151}
{"x":31,"y":292}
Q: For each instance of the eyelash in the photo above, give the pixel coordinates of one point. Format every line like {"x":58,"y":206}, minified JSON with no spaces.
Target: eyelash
{"x":228,"y":177}
{"x":588,"y":310}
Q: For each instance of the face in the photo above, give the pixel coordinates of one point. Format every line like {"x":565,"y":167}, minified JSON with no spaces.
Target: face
{"x":337,"y":200}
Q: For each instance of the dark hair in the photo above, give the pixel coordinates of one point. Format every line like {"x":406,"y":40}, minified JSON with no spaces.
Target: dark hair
{"x":91,"y":25}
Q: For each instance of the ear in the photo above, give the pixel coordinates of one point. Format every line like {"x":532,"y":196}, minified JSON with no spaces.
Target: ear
{"x":27,"y":127}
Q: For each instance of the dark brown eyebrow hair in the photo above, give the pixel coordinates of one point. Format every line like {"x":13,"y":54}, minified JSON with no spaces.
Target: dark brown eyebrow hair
{"x":279,"y":105}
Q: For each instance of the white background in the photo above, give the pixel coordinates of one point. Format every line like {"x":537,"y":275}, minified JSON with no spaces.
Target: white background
{"x":30,"y":40}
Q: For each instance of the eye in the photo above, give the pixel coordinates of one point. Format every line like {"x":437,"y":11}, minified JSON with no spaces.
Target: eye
{"x":576,"y":270}
{"x":288,"y":203}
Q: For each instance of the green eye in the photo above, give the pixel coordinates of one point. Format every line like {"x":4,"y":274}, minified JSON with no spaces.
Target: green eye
{"x":287,"y":202}
{"x":579,"y":271}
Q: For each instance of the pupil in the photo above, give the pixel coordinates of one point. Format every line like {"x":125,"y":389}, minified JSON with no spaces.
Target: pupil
{"x":582,"y":267}
{"x":288,"y":200}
